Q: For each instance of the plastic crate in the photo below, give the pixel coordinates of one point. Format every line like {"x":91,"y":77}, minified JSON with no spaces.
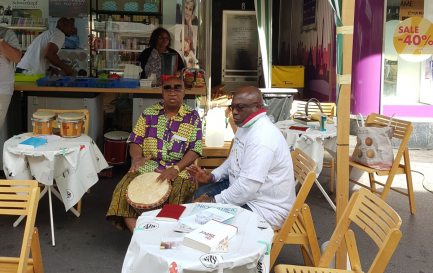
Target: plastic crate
{"x":103,"y":83}
{"x":19,"y":77}
{"x":82,"y":82}
{"x":55,"y":82}
{"x":127,"y":83}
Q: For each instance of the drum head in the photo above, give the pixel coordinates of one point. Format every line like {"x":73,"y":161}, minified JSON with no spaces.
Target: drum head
{"x":71,"y":116}
{"x":144,"y":192}
{"x":117,"y":135}
{"x":44,"y":115}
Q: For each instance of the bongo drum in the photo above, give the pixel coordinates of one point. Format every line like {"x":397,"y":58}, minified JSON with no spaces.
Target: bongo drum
{"x":43,"y":123}
{"x":115,"y":147}
{"x":71,"y":124}
{"x":145,"y":193}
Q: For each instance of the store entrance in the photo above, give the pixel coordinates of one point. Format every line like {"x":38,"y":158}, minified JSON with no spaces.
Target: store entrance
{"x":240,"y":49}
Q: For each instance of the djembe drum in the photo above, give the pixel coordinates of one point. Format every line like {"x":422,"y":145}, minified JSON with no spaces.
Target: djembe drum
{"x":71,"y":124}
{"x":146,"y":193}
{"x":42,"y":122}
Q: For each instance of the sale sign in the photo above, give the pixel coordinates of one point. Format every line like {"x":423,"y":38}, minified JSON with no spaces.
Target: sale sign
{"x":414,"y":36}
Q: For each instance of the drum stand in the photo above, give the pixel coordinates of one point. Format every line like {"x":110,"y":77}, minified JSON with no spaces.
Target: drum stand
{"x":49,"y":189}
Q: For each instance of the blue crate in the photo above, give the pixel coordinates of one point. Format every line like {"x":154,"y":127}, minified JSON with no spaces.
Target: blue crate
{"x":54,"y":82}
{"x":103,"y":83}
{"x":82,"y":82}
{"x":127,"y":83}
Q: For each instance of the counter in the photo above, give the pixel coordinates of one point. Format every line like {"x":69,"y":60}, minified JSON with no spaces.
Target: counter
{"x":33,"y":87}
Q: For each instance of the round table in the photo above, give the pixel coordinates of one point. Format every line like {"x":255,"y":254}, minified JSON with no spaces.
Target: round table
{"x":248,"y":250}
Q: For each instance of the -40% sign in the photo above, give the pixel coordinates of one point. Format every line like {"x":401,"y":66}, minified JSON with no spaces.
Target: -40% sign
{"x":414,"y":36}
{"x":417,"y":39}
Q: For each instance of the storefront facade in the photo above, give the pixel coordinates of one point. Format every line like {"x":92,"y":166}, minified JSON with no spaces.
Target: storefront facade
{"x":386,"y":78}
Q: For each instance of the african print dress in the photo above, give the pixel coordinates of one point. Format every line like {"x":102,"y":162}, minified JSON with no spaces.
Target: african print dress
{"x":166,"y":140}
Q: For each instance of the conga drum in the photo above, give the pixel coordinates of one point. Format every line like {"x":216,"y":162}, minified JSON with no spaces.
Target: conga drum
{"x":115,"y":147}
{"x":71,"y":124}
{"x":145,"y":193}
{"x":42,"y":122}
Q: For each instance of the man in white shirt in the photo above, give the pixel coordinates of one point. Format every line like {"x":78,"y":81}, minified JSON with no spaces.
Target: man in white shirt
{"x":10,"y":54}
{"x":258,"y":174}
{"x":42,"y":52}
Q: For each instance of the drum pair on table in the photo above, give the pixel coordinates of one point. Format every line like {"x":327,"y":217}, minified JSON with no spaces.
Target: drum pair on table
{"x":71,"y":124}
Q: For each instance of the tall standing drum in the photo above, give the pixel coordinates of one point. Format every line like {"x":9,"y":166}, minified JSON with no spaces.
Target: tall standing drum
{"x":71,"y":124}
{"x":43,"y":122}
{"x":115,"y":147}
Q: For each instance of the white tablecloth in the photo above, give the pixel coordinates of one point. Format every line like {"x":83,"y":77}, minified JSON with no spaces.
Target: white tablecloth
{"x":248,"y":249}
{"x":313,"y":141}
{"x":74,"y":163}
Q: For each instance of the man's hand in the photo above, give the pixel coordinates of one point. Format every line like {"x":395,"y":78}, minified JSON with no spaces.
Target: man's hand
{"x":69,"y":71}
{"x":138,"y":162}
{"x":204,"y":198}
{"x":168,"y":174}
{"x":199,"y":174}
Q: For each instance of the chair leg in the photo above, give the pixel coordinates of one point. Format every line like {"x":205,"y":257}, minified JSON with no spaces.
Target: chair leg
{"x":408,"y":172}
{"x":372,"y":183}
{"x":332,"y":177}
{"x":307,"y":257}
{"x":79,"y":207}
{"x":36,"y":253}
{"x":311,"y":234}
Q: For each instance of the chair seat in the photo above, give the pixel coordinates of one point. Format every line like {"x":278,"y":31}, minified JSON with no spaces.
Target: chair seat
{"x":297,"y":235}
{"x":10,"y":264}
{"x":303,"y":269}
{"x":400,"y":169}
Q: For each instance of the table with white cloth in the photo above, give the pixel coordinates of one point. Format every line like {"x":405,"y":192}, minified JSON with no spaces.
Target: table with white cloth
{"x":248,"y":250}
{"x":72,"y":164}
{"x":313,"y":142}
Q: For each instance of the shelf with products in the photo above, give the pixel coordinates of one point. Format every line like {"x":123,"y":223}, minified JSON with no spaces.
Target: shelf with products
{"x":120,"y":31}
{"x":27,"y":29}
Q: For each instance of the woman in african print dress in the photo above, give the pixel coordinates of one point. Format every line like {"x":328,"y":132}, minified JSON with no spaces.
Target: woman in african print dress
{"x":167,"y":138}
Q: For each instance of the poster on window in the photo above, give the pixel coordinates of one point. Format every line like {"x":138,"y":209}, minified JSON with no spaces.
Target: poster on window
{"x":186,"y":29}
{"x":68,"y":8}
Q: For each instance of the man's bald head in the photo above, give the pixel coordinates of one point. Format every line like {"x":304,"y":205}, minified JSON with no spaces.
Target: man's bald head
{"x":249,"y":94}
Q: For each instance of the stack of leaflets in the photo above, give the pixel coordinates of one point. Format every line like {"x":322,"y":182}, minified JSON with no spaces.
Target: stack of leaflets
{"x":202,"y":213}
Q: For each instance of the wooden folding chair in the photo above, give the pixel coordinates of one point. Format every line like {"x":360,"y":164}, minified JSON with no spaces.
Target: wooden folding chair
{"x":373,"y":217}
{"x":330,"y":110}
{"x":298,"y":228}
{"x":402,"y":132}
{"x":85,"y":127}
{"x":21,"y":197}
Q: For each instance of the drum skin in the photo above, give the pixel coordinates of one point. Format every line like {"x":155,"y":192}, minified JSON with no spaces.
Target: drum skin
{"x":145,"y":193}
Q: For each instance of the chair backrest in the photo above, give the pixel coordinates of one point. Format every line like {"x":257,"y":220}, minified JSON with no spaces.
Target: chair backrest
{"x":84,"y":110}
{"x":376,"y":219}
{"x":21,"y":197}
{"x":328,"y":108}
{"x":402,"y":129}
{"x":304,"y":171}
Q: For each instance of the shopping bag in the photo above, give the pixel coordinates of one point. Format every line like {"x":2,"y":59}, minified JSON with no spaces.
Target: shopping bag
{"x":374,"y":147}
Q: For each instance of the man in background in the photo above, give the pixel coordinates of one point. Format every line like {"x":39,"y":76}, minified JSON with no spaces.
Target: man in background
{"x":41,"y":56}
{"x":10,"y":54}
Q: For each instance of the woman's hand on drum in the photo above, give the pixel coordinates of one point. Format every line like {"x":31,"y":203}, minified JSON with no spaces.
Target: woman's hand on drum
{"x":138,"y":162}
{"x":200,"y":175}
{"x":168,"y":174}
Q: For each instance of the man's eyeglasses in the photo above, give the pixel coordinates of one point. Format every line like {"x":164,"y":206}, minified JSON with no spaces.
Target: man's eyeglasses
{"x":173,"y":88}
{"x":241,"y":106}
